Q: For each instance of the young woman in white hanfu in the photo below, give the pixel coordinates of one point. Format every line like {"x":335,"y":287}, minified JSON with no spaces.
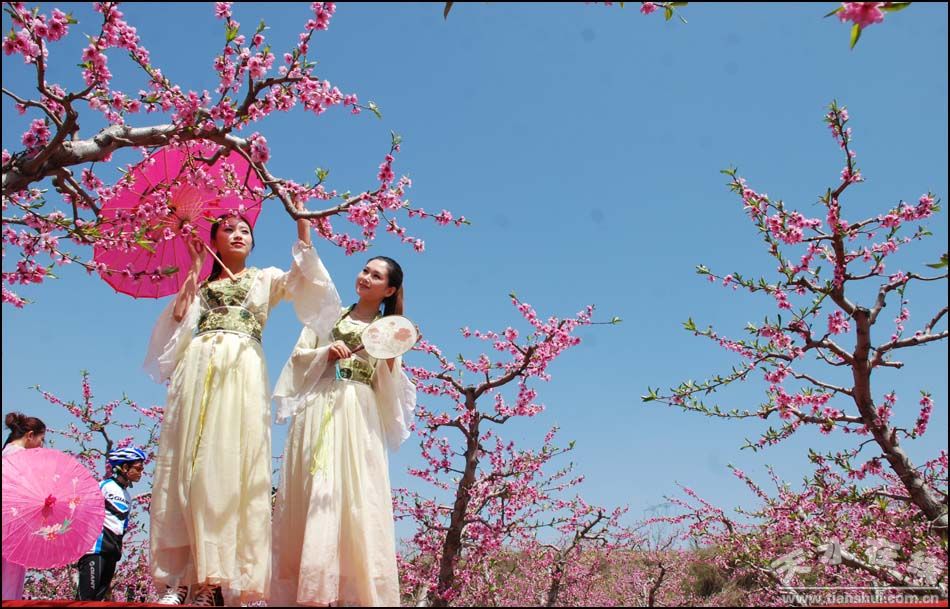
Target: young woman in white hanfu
{"x":211,"y":496}
{"x":334,"y":539}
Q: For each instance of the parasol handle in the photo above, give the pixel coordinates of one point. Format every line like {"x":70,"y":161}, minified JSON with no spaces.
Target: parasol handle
{"x":215,"y":256}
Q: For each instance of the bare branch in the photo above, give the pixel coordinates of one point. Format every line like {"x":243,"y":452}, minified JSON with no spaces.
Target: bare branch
{"x":802,"y":376}
{"x":880,"y":303}
{"x":32,"y":104}
{"x":449,"y":379}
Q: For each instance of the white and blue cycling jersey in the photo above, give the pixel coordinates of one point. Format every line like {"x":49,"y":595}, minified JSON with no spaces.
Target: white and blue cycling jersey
{"x":118,"y":504}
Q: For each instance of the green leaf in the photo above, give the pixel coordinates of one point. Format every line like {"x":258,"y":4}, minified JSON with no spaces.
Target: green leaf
{"x":261,"y":27}
{"x":448,"y":7}
{"x":940,"y":265}
{"x":690,"y":325}
{"x":615,"y":320}
{"x":835,"y":12}
{"x":230,"y":33}
{"x":374,"y":109}
{"x":678,"y":4}
{"x":397,"y":139}
{"x":322,"y":173}
{"x":893,"y":7}
{"x":669,"y":13}
{"x":145,"y":244}
{"x":855,"y":34}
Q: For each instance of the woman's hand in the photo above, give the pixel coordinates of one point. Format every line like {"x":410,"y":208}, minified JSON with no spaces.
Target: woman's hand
{"x":338,"y":350}
{"x":197,"y":252}
{"x":186,"y":294}
{"x":303,"y":225}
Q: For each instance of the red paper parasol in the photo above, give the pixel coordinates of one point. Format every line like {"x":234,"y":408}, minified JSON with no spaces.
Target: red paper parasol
{"x":53,"y":509}
{"x":158,"y":204}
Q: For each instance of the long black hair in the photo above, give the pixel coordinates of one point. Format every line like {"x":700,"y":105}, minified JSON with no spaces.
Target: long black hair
{"x":392,"y":305}
{"x":216,"y":268}
{"x":19,"y":425}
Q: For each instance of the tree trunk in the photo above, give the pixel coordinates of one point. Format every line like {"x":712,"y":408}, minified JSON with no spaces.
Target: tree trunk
{"x":886,"y":437}
{"x":452,"y":547}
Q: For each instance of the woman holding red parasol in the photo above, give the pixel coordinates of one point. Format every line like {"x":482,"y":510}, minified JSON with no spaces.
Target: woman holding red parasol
{"x":25,"y":433}
{"x":211,"y":498}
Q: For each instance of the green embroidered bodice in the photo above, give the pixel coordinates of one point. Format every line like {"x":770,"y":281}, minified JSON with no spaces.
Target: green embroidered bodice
{"x":225,"y":306}
{"x":350,"y":331}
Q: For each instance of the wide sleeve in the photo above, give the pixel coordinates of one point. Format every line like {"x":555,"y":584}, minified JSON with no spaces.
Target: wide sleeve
{"x":301,"y":374}
{"x":169,"y":340}
{"x":309,"y":287}
{"x":396,"y":398}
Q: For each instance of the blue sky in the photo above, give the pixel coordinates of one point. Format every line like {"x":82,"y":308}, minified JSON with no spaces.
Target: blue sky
{"x":584,"y":143}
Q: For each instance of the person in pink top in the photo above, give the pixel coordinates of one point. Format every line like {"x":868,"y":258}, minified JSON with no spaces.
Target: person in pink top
{"x":25,"y":432}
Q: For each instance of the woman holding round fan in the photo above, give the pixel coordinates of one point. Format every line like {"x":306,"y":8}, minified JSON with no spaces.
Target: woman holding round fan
{"x":211,"y":498}
{"x":334,"y":538}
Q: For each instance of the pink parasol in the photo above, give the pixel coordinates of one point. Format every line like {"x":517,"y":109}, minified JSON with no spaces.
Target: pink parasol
{"x":160,"y":202}
{"x":53,"y":509}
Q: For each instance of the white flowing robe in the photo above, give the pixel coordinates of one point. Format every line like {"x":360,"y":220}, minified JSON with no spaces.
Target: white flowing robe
{"x":211,"y":495}
{"x":334,"y":537}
